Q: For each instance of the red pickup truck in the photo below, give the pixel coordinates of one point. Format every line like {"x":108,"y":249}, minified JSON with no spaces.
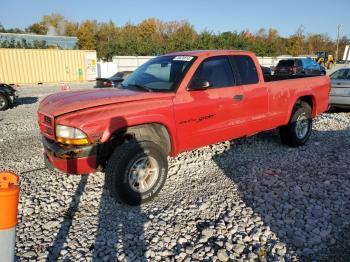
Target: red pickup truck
{"x":171,"y":104}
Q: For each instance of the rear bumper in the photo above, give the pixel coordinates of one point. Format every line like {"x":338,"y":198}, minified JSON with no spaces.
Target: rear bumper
{"x":70,"y":159}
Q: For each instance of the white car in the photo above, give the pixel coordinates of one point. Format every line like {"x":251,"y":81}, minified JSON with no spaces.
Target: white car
{"x":340,"y":91}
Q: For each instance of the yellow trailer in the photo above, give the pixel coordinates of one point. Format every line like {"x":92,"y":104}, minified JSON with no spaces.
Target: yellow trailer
{"x":33,"y":66}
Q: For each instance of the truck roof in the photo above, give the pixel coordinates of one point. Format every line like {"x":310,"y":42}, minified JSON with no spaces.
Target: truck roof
{"x":210,"y":52}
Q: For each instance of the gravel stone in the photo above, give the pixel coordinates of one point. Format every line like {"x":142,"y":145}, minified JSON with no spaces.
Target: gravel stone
{"x":244,"y":200}
{"x":223,"y":255}
{"x":238,"y":248}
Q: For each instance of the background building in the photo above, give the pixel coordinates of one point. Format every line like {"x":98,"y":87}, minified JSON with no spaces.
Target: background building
{"x":62,"y":42}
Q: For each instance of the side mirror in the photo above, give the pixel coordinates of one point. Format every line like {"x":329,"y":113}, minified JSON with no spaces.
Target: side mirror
{"x":199,"y":84}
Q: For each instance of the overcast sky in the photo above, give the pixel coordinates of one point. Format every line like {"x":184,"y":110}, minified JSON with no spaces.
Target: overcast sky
{"x":318,"y":16}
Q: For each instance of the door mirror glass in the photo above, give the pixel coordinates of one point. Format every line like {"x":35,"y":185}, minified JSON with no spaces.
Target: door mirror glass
{"x":199,"y":84}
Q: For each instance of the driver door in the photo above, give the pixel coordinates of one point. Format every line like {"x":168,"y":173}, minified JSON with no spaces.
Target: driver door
{"x":209,"y":115}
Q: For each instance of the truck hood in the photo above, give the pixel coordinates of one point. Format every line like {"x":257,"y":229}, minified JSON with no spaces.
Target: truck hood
{"x":70,"y":101}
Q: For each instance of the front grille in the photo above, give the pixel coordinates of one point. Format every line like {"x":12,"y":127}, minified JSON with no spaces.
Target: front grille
{"x":46,"y":124}
{"x":49,"y":130}
{"x":48,"y":120}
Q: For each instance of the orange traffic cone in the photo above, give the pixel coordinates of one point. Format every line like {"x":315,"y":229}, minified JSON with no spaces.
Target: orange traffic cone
{"x":64,"y":87}
{"x":9,"y":192}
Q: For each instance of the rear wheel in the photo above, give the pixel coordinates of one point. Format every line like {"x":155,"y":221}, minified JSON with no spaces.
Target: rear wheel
{"x":136,"y":172}
{"x":299,"y":128}
{"x":4,"y":102}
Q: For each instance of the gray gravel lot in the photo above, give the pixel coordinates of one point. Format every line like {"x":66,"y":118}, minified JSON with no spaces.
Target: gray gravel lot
{"x":248,"y":200}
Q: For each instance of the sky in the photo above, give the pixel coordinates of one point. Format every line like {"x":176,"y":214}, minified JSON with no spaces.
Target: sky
{"x":318,"y":16}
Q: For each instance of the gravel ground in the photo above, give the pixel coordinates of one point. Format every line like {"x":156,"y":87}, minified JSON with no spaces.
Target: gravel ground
{"x":248,"y":200}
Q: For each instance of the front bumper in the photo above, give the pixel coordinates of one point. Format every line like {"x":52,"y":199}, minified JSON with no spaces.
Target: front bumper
{"x":13,"y":96}
{"x":70,"y":159}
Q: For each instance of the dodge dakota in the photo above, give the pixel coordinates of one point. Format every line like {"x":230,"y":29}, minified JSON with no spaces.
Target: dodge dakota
{"x":171,"y":104}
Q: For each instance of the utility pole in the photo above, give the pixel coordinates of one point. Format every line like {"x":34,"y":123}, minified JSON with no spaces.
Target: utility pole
{"x":336,"y":54}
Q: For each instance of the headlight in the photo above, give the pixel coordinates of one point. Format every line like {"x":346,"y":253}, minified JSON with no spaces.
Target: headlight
{"x":70,"y":135}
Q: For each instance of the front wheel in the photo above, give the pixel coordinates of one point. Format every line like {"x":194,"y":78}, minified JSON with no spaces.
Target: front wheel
{"x":136,"y":172}
{"x":299,"y":128}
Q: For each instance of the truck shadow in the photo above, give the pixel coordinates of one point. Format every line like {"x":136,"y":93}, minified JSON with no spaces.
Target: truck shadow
{"x":120,"y":229}
{"x":302,"y":198}
{"x":119,"y":235}
{"x":56,"y":247}
{"x":25,"y":101}
{"x":120,"y":232}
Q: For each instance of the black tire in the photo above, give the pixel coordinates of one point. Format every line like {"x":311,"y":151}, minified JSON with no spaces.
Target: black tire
{"x":4,"y":102}
{"x":118,"y":171}
{"x":289,"y":134}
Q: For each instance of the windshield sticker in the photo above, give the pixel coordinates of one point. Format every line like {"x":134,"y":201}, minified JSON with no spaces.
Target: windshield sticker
{"x":183,"y":58}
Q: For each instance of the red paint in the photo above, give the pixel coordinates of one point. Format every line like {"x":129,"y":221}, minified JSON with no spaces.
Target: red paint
{"x":84,"y":165}
{"x":192,"y":118}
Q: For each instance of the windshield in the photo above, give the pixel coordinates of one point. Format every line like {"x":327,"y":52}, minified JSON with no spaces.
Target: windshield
{"x":161,"y":74}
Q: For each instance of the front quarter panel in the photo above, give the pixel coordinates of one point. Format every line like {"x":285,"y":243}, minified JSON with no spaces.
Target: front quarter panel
{"x":101,"y":122}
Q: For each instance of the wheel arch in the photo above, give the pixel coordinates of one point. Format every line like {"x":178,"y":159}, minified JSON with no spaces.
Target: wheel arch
{"x":155,"y":132}
{"x":309,"y":99}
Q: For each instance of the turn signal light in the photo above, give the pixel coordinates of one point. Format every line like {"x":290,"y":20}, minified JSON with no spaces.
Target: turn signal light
{"x":70,"y":141}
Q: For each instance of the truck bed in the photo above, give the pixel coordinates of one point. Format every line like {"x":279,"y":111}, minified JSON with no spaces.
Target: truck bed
{"x":272,"y":78}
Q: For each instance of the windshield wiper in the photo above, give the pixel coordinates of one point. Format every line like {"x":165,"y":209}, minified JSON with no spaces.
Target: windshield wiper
{"x":142,"y":87}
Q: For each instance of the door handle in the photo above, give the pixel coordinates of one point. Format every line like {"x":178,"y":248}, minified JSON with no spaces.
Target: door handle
{"x":238,"y":97}
{"x":338,"y":84}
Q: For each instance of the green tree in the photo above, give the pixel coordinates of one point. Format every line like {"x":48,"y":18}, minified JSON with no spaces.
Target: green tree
{"x":184,"y":38}
{"x":150,"y":39}
{"x":37,"y":28}
{"x":87,"y":35}
{"x":295,"y":43}
{"x":71,"y":28}
{"x":106,"y":40}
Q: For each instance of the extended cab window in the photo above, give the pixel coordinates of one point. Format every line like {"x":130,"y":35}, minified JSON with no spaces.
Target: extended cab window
{"x":244,"y":69}
{"x":216,"y":70}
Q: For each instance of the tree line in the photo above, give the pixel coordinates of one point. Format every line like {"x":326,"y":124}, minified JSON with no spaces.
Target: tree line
{"x":155,"y":37}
